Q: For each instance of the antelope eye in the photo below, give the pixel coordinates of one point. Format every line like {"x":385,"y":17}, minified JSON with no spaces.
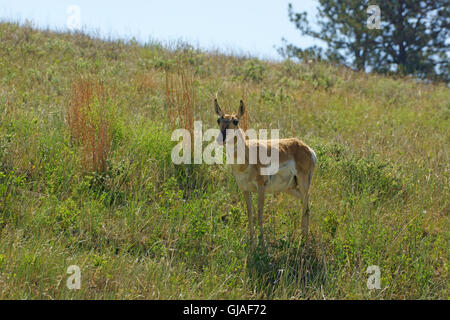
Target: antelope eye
{"x":235,"y":122}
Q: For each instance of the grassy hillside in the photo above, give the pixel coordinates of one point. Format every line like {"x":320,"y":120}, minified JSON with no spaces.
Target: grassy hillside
{"x":86,"y":176}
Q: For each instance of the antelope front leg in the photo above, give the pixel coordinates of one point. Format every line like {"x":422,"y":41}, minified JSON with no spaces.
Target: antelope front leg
{"x":251,"y":229}
{"x":261,"y":194}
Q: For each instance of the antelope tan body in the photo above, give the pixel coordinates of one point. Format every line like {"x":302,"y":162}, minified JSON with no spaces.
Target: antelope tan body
{"x":296,"y":162}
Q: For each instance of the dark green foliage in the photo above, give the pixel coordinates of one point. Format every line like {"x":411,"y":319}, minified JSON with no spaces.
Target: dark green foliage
{"x":412,"y":38}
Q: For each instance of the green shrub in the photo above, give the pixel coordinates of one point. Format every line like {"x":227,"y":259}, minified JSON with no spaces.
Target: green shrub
{"x":252,"y":70}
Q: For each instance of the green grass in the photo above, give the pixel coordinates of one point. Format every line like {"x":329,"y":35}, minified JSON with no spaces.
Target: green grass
{"x":146,"y":229}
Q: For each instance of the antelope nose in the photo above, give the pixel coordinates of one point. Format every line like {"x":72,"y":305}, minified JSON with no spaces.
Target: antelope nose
{"x":220,"y":139}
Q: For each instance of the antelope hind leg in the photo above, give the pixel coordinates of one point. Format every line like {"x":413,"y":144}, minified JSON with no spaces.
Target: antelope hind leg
{"x":261,"y":195}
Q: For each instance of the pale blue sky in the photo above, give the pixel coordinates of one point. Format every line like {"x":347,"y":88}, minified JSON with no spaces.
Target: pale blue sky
{"x":241,"y":26}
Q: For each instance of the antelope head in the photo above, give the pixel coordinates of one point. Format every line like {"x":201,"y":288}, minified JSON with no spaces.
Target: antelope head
{"x":227,"y":121}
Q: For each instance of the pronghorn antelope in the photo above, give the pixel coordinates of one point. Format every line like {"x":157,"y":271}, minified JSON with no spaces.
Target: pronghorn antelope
{"x":296,"y":162}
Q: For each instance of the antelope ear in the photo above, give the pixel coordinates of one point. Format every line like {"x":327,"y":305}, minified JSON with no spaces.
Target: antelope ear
{"x":217,"y":108}
{"x":241,"y":110}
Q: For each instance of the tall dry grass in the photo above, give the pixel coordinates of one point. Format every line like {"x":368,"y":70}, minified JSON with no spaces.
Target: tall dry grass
{"x":180,"y":99}
{"x":90,"y":124}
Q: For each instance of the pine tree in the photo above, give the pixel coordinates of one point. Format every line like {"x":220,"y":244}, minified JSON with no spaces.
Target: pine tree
{"x":412,"y":39}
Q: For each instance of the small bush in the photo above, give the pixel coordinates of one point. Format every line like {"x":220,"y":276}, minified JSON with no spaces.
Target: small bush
{"x":371,"y":176}
{"x":10,"y":184}
{"x":252,"y":70}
